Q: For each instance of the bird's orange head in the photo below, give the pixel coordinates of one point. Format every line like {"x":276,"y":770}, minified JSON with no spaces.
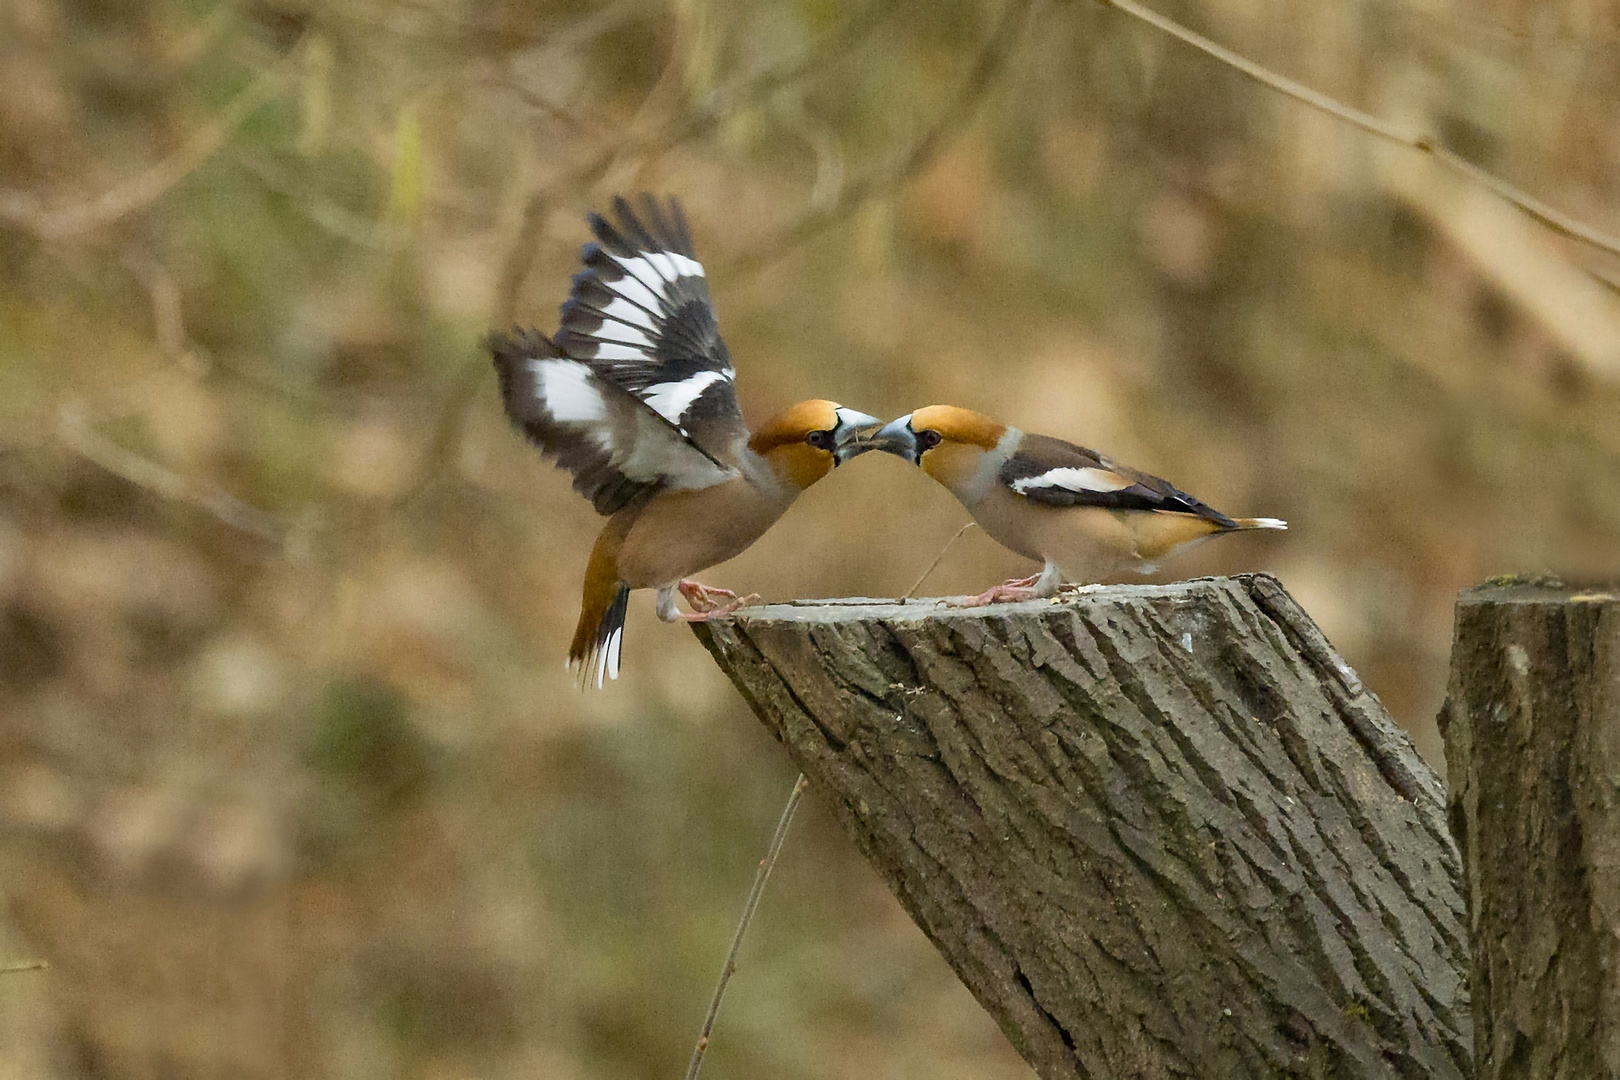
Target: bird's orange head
{"x":804,"y":442}
{"x":946,"y":441}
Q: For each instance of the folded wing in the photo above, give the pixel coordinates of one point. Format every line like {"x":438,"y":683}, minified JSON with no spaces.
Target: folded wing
{"x":1056,"y":473}
{"x":639,"y":316}
{"x":618,"y":448}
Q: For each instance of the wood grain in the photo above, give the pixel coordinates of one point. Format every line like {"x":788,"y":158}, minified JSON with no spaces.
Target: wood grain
{"x":1158,"y":831}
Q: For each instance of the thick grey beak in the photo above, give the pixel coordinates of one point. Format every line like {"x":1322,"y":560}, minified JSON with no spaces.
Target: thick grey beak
{"x":896,"y":437}
{"x":850,"y":434}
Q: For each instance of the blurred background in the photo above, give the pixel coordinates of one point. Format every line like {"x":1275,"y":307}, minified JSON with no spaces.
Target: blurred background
{"x":292,"y":781}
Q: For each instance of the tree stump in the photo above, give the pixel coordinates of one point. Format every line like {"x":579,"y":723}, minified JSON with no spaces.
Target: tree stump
{"x":1158,"y":831}
{"x":1532,"y":730}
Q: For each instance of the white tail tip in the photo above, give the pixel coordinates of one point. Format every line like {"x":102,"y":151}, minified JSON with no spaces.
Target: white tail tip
{"x":1262,"y":523}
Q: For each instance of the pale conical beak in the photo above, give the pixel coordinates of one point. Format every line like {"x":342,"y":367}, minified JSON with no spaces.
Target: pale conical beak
{"x":895,"y":437}
{"x":850,"y":434}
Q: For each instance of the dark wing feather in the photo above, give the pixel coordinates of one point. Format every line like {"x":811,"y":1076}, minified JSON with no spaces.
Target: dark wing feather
{"x":640,"y":316}
{"x":1053,"y":472}
{"x":618,"y":449}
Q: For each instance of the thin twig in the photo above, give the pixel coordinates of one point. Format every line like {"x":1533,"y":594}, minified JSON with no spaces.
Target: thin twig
{"x":953,"y":118}
{"x":707,"y":115}
{"x":909,"y":593}
{"x":24,"y":965}
{"x":80,"y":435}
{"x":27,"y":211}
{"x":760,"y":877}
{"x":323,"y":211}
{"x":1553,"y":219}
{"x":168,"y":314}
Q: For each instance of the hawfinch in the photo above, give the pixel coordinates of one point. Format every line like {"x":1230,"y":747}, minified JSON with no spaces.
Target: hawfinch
{"x":634,"y":396}
{"x":1068,"y":507}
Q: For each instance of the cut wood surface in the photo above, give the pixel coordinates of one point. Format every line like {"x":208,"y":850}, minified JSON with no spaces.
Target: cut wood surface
{"x":1532,"y":730}
{"x":1158,"y":831}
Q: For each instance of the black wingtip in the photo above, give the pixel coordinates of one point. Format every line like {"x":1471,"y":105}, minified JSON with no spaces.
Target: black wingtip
{"x":609,"y":237}
{"x":631,"y":224}
{"x":647,"y":224}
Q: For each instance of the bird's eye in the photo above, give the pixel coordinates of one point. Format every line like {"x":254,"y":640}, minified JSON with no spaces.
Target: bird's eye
{"x":927,"y":439}
{"x":821,"y":440}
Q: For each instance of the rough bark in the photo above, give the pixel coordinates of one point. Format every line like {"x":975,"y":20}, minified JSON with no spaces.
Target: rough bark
{"x":1532,"y":729}
{"x":1158,"y":831}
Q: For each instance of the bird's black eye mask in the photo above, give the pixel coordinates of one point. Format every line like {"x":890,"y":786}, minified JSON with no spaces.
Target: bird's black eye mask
{"x":821,"y":440}
{"x":927,"y":439}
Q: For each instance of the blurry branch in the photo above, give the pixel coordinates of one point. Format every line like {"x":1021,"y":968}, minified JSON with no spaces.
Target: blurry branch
{"x":1607,"y":278}
{"x":26,"y":211}
{"x":761,"y":876}
{"x":168,"y":320}
{"x":708,"y":114}
{"x":565,"y":116}
{"x":24,"y":965}
{"x":961,"y":109}
{"x":203,"y":37}
{"x":1555,"y":220}
{"x":321,"y":210}
{"x":1572,"y":308}
{"x":80,"y":436}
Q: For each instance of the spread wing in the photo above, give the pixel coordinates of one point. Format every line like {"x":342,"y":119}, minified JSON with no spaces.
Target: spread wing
{"x":640,"y":316}
{"x":1052,"y":472}
{"x":618,"y":448}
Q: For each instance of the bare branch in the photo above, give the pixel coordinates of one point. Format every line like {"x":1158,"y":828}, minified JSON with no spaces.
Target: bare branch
{"x":25,"y":210}
{"x":24,"y":965}
{"x":324,"y":212}
{"x":992,"y":59}
{"x":720,"y":103}
{"x":1555,"y":220}
{"x":80,"y":436}
{"x":168,"y":316}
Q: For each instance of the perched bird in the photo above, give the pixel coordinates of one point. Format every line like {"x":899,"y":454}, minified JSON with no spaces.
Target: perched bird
{"x":1068,"y":507}
{"x":634,"y":396}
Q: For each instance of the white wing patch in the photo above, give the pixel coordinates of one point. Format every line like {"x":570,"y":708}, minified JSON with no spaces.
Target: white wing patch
{"x":617,"y":333}
{"x":567,"y":392}
{"x":623,"y":311}
{"x":644,"y":270}
{"x":671,"y":399}
{"x":610,"y":351}
{"x":687,"y":267}
{"x":656,"y":451}
{"x":653,"y":269}
{"x":635,"y":291}
{"x":1071,"y":479}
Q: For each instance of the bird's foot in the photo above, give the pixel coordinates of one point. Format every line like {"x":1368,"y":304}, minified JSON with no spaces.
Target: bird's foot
{"x":708,"y":601}
{"x":1007,"y":592}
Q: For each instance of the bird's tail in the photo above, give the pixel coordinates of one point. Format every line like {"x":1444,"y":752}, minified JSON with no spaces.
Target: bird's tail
{"x":600,"y":633}
{"x":1260,"y":523}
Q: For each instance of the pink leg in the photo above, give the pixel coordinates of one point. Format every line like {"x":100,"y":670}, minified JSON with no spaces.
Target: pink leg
{"x":1007,"y":592}
{"x":708,"y":601}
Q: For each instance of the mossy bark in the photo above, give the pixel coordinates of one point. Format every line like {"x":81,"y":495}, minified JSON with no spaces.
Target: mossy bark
{"x":1158,"y":831}
{"x":1532,"y":730}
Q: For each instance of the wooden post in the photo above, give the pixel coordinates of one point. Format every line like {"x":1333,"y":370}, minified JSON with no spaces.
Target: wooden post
{"x":1532,"y":730}
{"x":1158,"y":831}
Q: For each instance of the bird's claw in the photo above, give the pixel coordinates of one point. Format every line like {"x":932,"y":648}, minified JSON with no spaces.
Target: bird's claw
{"x":1008,"y":592}
{"x":708,"y":601}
